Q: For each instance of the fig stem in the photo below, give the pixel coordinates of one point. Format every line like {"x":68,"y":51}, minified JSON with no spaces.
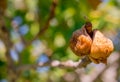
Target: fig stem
{"x":88,"y":27}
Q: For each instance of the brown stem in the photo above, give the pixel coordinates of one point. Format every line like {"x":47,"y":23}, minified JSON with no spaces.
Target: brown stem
{"x":55,"y":63}
{"x":88,"y":27}
{"x":46,"y":26}
{"x":5,"y":37}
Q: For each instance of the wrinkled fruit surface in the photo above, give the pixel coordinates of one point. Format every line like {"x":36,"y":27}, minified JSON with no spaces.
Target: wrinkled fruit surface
{"x":101,"y":48}
{"x":97,"y":47}
{"x":81,"y":42}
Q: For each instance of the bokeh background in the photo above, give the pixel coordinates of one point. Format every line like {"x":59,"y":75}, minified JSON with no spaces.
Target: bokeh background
{"x":25,"y":18}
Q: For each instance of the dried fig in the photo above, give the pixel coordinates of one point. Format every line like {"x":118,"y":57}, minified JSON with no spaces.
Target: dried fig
{"x":91,"y":43}
{"x":80,"y":42}
{"x":100,"y":48}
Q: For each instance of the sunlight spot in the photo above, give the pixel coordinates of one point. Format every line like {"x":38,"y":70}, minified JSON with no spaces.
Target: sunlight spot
{"x":34,"y":28}
{"x":30,"y":16}
{"x":70,"y":23}
{"x":59,"y":40}
{"x":69,"y":13}
{"x":54,"y":22}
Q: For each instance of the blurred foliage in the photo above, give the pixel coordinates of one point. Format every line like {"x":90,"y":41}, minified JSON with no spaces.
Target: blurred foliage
{"x":3,"y":67}
{"x":26,"y":17}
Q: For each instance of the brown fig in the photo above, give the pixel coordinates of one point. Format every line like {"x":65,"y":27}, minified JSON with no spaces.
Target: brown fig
{"x":91,"y":43}
{"x":80,"y":42}
{"x":100,"y":48}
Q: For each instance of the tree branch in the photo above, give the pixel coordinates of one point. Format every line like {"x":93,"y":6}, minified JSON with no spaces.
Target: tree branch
{"x":5,"y":37}
{"x":55,"y":63}
{"x":46,"y":26}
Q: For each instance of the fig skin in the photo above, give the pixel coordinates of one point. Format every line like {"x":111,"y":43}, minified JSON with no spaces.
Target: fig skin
{"x":80,"y":42}
{"x":101,"y":47}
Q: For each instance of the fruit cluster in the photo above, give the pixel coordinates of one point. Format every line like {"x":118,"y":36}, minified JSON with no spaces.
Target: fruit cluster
{"x":91,"y":43}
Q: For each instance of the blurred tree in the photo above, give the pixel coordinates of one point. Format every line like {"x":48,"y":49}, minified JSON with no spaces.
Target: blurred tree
{"x":34,"y":40}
